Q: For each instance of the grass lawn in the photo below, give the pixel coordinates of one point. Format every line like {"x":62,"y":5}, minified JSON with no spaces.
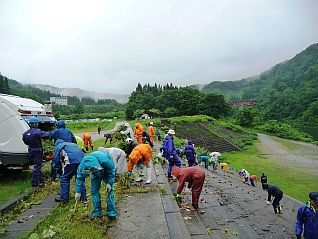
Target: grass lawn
{"x":295,"y":182}
{"x":13,"y":183}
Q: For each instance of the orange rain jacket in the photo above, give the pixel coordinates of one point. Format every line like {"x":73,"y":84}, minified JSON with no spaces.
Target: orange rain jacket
{"x":151,"y":132}
{"x":142,"y":153}
{"x":87,"y":139}
{"x":138,"y":132}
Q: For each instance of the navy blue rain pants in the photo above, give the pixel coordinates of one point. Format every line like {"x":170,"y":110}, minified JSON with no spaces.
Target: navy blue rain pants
{"x":36,"y":156}
{"x":68,"y":172}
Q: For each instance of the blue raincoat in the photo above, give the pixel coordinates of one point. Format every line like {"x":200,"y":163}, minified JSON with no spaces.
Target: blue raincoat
{"x":101,"y":168}
{"x":71,"y":155}
{"x":190,"y":154}
{"x":32,"y":138}
{"x":307,"y":216}
{"x":170,"y":153}
{"x":62,"y":133}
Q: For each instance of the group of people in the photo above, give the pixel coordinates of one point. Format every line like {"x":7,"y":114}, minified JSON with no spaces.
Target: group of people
{"x":105,"y":163}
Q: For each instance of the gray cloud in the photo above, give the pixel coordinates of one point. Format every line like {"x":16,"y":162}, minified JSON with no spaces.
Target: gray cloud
{"x":109,"y":46}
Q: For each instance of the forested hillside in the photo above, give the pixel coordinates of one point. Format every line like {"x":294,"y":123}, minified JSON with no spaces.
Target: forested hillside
{"x":169,"y":101}
{"x":288,"y":91}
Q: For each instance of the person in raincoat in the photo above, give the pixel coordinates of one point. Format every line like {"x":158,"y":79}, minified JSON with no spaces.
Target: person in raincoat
{"x":146,"y":138}
{"x":190,"y":154}
{"x":170,"y":152}
{"x":128,"y":131}
{"x":80,"y":143}
{"x":274,"y":191}
{"x":263,"y":180}
{"x":253,"y":179}
{"x":100,"y":167}
{"x":141,"y":155}
{"x":195,"y":177}
{"x":158,"y":134}
{"x":32,"y":138}
{"x":70,"y":155}
{"x":139,"y":129}
{"x":119,"y":159}
{"x":62,"y":133}
{"x":307,"y":218}
{"x":214,"y":159}
{"x":131,"y":145}
{"x":151,"y":132}
{"x":244,"y":174}
{"x":87,"y":140}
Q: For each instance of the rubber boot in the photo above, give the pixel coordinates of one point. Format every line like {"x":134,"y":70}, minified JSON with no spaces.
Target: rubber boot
{"x":148,"y":175}
{"x":279,"y":209}
{"x":139,"y":179}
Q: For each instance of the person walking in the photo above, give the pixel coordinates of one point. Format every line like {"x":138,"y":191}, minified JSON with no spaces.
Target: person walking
{"x":138,"y":132}
{"x":32,"y":137}
{"x":141,"y":155}
{"x":99,"y":129}
{"x":195,"y":177}
{"x":151,"y":132}
{"x":307,"y":218}
{"x":190,"y":154}
{"x":87,"y":141}
{"x":274,"y":191}
{"x":170,"y":153}
{"x":100,"y":167}
{"x":70,"y":155}
{"x":62,"y":133}
{"x":263,"y":180}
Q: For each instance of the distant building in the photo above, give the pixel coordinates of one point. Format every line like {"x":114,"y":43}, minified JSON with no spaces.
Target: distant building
{"x":58,"y":100}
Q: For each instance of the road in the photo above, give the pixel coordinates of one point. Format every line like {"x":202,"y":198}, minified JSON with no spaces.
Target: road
{"x":297,"y":154}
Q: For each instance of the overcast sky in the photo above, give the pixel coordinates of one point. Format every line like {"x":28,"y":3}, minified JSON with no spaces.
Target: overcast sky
{"x":110,"y":45}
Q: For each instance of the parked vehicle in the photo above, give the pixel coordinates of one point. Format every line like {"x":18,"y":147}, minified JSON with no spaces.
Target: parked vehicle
{"x":14,"y":113}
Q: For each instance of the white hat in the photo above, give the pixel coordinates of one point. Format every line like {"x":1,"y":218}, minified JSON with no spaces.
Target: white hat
{"x":151,"y":123}
{"x":127,"y":124}
{"x":171,"y":131}
{"x":128,"y":140}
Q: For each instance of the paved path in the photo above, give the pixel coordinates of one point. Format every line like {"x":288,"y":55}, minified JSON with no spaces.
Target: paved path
{"x":302,"y":153}
{"x":151,"y":215}
{"x":30,"y":218}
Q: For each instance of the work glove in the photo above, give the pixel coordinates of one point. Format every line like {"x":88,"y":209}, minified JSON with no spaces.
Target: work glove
{"x":142,"y":166}
{"x":268,"y":202}
{"x":77,"y":196}
{"x":129,"y":174}
{"x":298,"y":236}
{"x":108,"y":187}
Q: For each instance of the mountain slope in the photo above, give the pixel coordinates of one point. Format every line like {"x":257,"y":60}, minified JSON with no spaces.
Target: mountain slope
{"x":287,"y":91}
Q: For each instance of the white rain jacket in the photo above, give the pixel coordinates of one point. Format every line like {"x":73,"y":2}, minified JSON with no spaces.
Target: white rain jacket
{"x":119,"y":159}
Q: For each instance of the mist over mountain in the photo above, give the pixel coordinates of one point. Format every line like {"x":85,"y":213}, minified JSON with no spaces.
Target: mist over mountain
{"x":81,"y":93}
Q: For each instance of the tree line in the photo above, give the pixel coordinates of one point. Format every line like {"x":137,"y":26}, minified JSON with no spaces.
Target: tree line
{"x":170,"y":101}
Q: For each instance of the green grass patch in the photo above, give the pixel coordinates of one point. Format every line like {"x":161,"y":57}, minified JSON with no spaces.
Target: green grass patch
{"x":34,"y":197}
{"x":14,"y":183}
{"x":90,"y":126}
{"x":293,"y":181}
{"x":189,"y":119}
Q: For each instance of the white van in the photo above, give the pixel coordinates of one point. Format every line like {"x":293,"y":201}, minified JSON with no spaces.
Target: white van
{"x":14,"y":113}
